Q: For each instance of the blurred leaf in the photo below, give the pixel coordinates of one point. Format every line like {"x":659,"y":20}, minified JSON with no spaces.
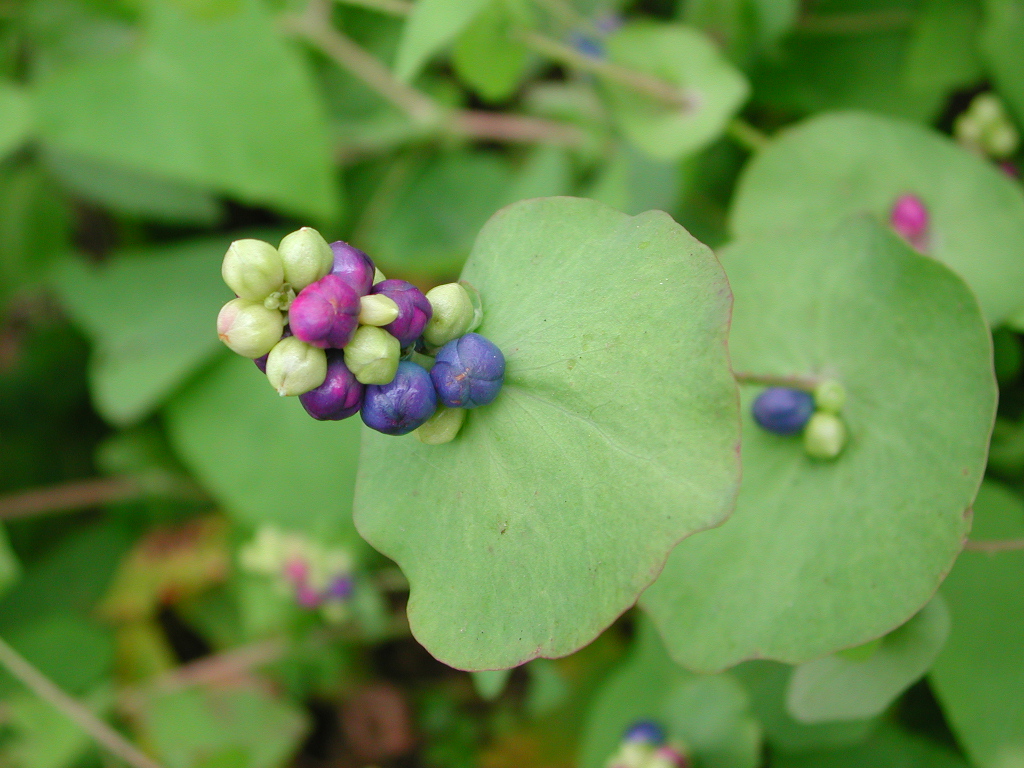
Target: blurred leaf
{"x":168,"y":565}
{"x":487,"y":58}
{"x":710,"y":716}
{"x":15,"y":118}
{"x":137,"y":194}
{"x":489,"y":683}
{"x":633,"y":182}
{"x":545,"y":172}
{"x":824,"y":169}
{"x":262,"y":456}
{"x":839,"y":687}
{"x":547,"y":690}
{"x":43,"y":736}
{"x":238,"y":728}
{"x":434,"y":210}
{"x":429,"y":28}
{"x":767,"y":682}
{"x":889,"y":747}
{"x":745,"y":29}
{"x":34,"y":227}
{"x":151,"y":316}
{"x":9,"y":567}
{"x":979,"y":676}
{"x":76,"y":653}
{"x":817,"y":550}
{"x":714,"y":89}
{"x":566,"y":437}
{"x":1001,"y":37}
{"x":942,"y":53}
{"x":220,"y":103}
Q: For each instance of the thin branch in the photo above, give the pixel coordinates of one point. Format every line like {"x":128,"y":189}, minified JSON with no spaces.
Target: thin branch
{"x":45,"y":689}
{"x":500,"y":126}
{"x":68,"y":497}
{"x":746,"y":135}
{"x":390,"y":7}
{"x":807,"y":383}
{"x":639,"y":81}
{"x":855,"y":23}
{"x":994,"y":545}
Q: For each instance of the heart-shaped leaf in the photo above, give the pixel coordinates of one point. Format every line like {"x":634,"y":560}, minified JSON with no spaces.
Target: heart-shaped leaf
{"x":979,"y":675}
{"x":821,"y":556}
{"x":613,"y":438}
{"x":823,"y":170}
{"x":712,"y":89}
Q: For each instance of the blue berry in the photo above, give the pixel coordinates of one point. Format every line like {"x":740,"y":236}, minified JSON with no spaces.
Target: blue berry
{"x":469,"y":372}
{"x":413,"y":309}
{"x":646,"y":731}
{"x":353,"y":266}
{"x":339,"y":397}
{"x":401,"y":406}
{"x":782,"y":410}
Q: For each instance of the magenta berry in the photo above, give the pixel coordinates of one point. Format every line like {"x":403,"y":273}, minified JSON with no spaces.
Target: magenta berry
{"x":326,"y":313}
{"x":413,"y":309}
{"x":910,"y":219}
{"x":339,"y":397}
{"x":353,"y":266}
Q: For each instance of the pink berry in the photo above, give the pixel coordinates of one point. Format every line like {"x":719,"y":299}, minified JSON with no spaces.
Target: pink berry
{"x":910,"y":219}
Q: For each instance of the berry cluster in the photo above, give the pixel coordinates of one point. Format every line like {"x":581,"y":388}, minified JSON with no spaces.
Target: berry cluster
{"x":318,"y":578}
{"x":323,"y":323}
{"x":787,"y":411}
{"x":986,"y":128}
{"x":643,"y":746}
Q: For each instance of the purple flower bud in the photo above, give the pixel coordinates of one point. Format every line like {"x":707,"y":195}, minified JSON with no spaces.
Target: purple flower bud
{"x":413,"y":310}
{"x":1010,"y":169}
{"x":401,"y":406}
{"x":339,"y":397}
{"x":261,"y":362}
{"x":468,"y":372}
{"x":353,"y":266}
{"x":782,"y":410}
{"x":340,"y":587}
{"x":646,"y":731}
{"x":668,"y":757}
{"x":909,"y":218}
{"x":296,"y":570}
{"x":307,"y":597}
{"x":326,"y":313}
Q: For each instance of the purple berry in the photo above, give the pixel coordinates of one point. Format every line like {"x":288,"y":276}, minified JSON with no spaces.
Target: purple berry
{"x":413,"y":309}
{"x":340,"y":587}
{"x":468,"y":372}
{"x":353,"y":266}
{"x":326,"y":313}
{"x":404,"y":404}
{"x":909,"y":218}
{"x":261,"y":362}
{"x":782,"y":410}
{"x":339,"y":397}
{"x":646,"y":731}
{"x":307,"y":597}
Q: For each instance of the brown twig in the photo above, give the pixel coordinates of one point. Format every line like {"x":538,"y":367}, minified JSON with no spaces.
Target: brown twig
{"x":855,"y":23}
{"x":796,"y":382}
{"x":45,"y":689}
{"x":68,"y":497}
{"x":994,"y":545}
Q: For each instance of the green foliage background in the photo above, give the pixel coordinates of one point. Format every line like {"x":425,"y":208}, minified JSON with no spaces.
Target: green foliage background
{"x":832,"y":621}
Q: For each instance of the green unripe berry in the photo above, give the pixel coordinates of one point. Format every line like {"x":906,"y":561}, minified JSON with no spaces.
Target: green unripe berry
{"x":295,"y":367}
{"x":377,"y":309}
{"x":442,"y":427}
{"x":249,"y":328}
{"x":824,"y":436}
{"x":307,"y":257}
{"x":373,"y":355}
{"x":253,"y":269}
{"x":830,"y":396}
{"x":453,"y":314}
{"x":378,"y":276}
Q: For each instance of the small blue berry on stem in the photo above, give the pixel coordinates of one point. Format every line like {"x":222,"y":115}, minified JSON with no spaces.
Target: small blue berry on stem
{"x":782,"y":410}
{"x":326,"y":313}
{"x":469,"y":372}
{"x":414,"y":311}
{"x":339,"y":397}
{"x":647,"y":731}
{"x":402,"y":405}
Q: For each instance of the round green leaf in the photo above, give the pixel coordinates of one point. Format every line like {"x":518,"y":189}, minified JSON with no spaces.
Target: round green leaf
{"x":713,"y":88}
{"x":838,"y":687}
{"x":614,"y":437}
{"x":889,"y":747}
{"x":821,"y":556}
{"x":979,"y":675}
{"x":261,"y":455}
{"x":821,"y":171}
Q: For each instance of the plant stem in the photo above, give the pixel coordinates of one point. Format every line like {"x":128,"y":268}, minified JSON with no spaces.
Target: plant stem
{"x":746,"y":135}
{"x":854,"y":23}
{"x":639,"y":81}
{"x":806,"y":383}
{"x":994,"y":545}
{"x":390,"y":7}
{"x":499,"y":126}
{"x":67,"y":497}
{"x":45,"y":689}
